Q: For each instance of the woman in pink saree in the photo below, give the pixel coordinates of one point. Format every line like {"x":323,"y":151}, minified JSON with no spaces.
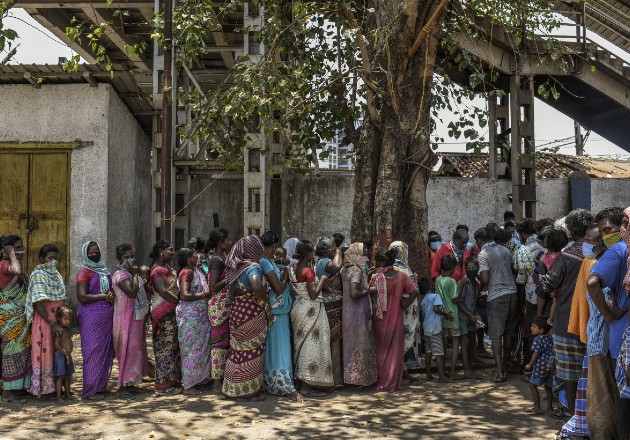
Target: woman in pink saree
{"x":46,"y":293}
{"x":130,"y":308}
{"x":389,"y":334}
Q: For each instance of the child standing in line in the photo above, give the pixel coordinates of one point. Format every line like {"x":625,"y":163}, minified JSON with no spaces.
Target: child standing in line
{"x":432,"y":325}
{"x":280,"y":258}
{"x":468,"y":290}
{"x":446,"y":287}
{"x":63,"y":367}
{"x":542,"y":350}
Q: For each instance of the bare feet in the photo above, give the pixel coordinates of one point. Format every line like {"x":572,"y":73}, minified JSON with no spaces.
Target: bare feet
{"x":297,"y":397}
{"x":60,"y":402}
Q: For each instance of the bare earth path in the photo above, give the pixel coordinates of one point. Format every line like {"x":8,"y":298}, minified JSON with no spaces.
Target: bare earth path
{"x":462,"y":410}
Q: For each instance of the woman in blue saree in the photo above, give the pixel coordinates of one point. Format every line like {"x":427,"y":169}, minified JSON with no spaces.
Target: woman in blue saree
{"x":278,"y":372}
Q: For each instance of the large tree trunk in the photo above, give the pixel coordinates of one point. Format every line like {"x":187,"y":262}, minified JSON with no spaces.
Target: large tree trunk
{"x":394,"y":156}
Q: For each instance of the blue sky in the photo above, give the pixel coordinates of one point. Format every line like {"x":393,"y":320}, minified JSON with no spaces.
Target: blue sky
{"x":38,"y":46}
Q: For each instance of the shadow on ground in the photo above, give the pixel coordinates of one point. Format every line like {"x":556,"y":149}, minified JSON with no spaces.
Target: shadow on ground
{"x":461,"y":410}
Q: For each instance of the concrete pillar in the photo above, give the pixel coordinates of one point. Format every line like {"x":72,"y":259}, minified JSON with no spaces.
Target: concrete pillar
{"x":256,"y":181}
{"x":522,"y":160}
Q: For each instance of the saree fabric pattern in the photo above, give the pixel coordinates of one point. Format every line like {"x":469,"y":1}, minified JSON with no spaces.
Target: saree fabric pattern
{"x":15,"y":333}
{"x":168,"y":363}
{"x":311,"y":336}
{"x":219,"y":314}
{"x":193,"y":327}
{"x":248,"y":332}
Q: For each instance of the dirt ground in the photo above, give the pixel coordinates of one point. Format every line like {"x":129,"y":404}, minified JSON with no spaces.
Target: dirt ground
{"x":477,"y":409}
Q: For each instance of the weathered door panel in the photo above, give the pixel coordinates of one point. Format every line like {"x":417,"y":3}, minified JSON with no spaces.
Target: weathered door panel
{"x":14,"y":174}
{"x":48,"y":207}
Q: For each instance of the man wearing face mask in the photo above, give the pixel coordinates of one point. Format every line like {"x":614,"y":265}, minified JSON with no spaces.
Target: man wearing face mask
{"x":435,"y":243}
{"x":457,"y":247}
{"x":608,"y":273}
{"x":588,"y":324}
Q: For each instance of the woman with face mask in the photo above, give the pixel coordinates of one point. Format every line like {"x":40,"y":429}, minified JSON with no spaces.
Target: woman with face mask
{"x":95,"y":315}
{"x":14,"y":332}
{"x":130,"y":308}
{"x":46,"y":293}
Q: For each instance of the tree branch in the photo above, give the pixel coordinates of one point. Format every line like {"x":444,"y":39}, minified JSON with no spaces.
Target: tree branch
{"x":424,"y":32}
{"x":9,"y":56}
{"x":5,"y":6}
{"x":366,"y":67}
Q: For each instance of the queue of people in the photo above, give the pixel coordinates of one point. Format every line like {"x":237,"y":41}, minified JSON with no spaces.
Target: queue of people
{"x":253,"y":316}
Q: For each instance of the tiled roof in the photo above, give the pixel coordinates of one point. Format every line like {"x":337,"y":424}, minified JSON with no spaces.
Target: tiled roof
{"x":548,"y":166}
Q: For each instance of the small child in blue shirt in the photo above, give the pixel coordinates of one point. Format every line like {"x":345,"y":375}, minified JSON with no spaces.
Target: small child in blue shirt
{"x":542,"y":351}
{"x":432,"y":313}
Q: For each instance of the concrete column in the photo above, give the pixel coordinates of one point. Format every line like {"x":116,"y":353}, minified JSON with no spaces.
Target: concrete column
{"x":522,"y":161}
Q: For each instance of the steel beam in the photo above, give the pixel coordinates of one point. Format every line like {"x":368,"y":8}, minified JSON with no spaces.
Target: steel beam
{"x":115,"y":33}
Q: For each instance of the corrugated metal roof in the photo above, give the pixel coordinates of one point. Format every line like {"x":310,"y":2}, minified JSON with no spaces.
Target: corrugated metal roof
{"x":548,"y":166}
{"x":133,"y":87}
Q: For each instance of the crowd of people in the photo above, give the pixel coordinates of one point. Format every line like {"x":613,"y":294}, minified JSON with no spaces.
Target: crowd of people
{"x":254,"y":317}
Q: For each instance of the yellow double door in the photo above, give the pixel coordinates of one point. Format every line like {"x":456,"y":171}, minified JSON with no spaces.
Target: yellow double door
{"x":34,"y":202}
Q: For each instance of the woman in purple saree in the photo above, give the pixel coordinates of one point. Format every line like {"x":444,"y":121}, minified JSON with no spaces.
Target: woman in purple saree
{"x":95,"y":316}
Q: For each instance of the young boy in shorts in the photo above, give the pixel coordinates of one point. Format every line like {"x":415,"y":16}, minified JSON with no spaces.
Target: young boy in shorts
{"x":446,"y":287}
{"x":432,"y":325}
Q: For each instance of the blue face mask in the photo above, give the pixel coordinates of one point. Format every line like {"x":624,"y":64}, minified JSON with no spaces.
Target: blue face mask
{"x":435,"y":245}
{"x":587,"y":250}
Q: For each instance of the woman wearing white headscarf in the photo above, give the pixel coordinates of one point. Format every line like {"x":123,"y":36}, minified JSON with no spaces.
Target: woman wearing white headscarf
{"x":289,"y":245}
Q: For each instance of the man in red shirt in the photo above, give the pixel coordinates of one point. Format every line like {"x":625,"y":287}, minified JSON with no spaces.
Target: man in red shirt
{"x":457,"y":247}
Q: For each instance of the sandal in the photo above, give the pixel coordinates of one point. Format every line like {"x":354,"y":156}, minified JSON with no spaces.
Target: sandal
{"x":559,"y":414}
{"x":498,"y":378}
{"x":192,"y":392}
{"x":313,"y":393}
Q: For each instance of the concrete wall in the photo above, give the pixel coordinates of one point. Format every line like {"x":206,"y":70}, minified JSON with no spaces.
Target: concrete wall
{"x":477,"y":201}
{"x":609,"y":192}
{"x":316,"y":206}
{"x":224,"y":197}
{"x":473,"y":202}
{"x":78,"y":112}
{"x":129,"y":182}
{"x":310,"y":206}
